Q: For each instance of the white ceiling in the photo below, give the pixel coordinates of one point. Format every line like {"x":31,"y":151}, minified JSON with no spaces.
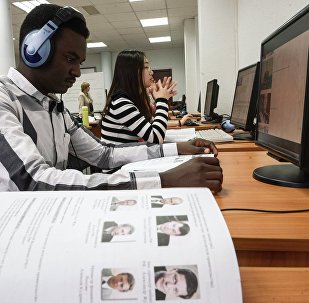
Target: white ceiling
{"x":117,"y":22}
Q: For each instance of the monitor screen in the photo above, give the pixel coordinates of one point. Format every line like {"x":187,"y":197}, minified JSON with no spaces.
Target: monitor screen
{"x":211,"y":99}
{"x":199,"y":104}
{"x":245,"y":98}
{"x":283,"y":106}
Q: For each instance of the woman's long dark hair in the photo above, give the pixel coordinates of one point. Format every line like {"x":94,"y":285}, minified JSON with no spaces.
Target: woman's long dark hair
{"x":128,"y":79}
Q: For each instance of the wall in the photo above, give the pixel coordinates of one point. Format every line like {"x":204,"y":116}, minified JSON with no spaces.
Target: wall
{"x":218,"y":49}
{"x":257,"y":19}
{"x":230,"y":35}
{"x":97,"y":93}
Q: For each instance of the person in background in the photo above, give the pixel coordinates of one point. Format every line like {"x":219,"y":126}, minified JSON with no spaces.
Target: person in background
{"x":38,"y":136}
{"x":85,"y":99}
{"x":127,"y":115}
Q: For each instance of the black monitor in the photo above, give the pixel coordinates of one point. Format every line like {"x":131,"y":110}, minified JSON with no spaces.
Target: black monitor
{"x":183,"y":105}
{"x":245,"y":101}
{"x":199,"y":104}
{"x":211,"y":100}
{"x":283,"y":106}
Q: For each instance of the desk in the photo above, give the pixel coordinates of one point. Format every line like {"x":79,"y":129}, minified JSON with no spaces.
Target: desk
{"x":95,"y":128}
{"x":263,"y":239}
{"x":171,"y":124}
{"x":235,"y":146}
{"x":265,"y":285}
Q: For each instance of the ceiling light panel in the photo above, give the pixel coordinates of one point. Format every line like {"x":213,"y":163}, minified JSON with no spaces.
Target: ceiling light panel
{"x":96,"y":44}
{"x":160,"y":39}
{"x":154,"y":22}
{"x":27,"y":6}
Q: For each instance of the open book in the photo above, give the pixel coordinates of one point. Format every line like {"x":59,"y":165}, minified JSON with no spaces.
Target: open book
{"x":116,"y":246}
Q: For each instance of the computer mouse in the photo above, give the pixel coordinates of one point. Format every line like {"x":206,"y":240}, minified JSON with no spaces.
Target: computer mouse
{"x":227,"y":126}
{"x":190,"y":123}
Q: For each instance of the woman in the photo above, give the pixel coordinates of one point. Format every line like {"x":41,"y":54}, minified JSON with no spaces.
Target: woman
{"x":127,"y":115}
{"x":85,"y":99}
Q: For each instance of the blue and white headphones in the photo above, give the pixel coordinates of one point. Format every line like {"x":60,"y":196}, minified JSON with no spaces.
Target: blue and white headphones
{"x":37,"y":47}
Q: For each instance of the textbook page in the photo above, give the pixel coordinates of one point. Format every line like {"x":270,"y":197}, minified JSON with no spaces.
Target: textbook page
{"x":179,"y":135}
{"x":160,"y":164}
{"x":116,"y":246}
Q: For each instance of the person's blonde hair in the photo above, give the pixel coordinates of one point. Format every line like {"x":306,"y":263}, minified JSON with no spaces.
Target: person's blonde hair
{"x":84,"y":85}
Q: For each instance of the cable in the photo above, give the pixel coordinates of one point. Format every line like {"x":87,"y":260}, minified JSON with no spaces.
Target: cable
{"x":267,"y":210}
{"x":66,"y":130}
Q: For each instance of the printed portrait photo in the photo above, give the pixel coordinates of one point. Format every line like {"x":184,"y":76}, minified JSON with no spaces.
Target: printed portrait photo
{"x":118,"y":283}
{"x":123,"y":204}
{"x":176,"y":282}
{"x":118,"y":232}
{"x":169,"y":228}
{"x":160,"y":201}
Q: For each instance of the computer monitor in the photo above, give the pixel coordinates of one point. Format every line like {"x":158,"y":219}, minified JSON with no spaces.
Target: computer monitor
{"x":245,"y":101}
{"x":211,"y":100}
{"x":183,"y":105}
{"x":283,"y":106}
{"x":199,"y":104}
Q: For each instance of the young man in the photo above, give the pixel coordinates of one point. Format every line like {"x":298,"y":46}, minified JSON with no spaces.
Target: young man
{"x":37,"y":133}
{"x":178,"y":282}
{"x":111,"y":229}
{"x":122,"y":282}
{"x":168,"y":226}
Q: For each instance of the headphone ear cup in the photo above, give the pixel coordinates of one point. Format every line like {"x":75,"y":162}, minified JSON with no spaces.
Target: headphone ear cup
{"x":39,"y":58}
{"x":227,"y":126}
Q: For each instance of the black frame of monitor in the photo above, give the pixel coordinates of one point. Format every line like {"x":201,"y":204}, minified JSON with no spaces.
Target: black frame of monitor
{"x":211,"y":103}
{"x":297,"y":173}
{"x":250,"y":115}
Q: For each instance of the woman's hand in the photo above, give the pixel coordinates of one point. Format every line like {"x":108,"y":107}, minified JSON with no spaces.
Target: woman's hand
{"x":165,"y":89}
{"x":186,"y":118}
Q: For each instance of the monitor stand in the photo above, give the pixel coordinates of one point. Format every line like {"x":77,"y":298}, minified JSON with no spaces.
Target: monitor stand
{"x":288,"y":175}
{"x":248,"y":136}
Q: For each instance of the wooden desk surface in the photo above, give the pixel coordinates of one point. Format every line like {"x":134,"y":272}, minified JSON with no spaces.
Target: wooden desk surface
{"x":261,"y":231}
{"x":171,"y":124}
{"x":281,"y":285}
{"x":235,"y":146}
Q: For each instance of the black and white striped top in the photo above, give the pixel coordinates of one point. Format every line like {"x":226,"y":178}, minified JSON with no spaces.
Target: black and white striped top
{"x":124,"y":123}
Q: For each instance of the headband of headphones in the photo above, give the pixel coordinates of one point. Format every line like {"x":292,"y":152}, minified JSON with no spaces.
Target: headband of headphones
{"x":36,"y":47}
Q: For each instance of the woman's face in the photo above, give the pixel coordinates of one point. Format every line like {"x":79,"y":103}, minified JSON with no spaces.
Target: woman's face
{"x":147,"y":73}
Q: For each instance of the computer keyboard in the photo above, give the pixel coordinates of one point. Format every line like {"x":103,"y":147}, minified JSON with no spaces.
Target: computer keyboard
{"x":216,"y":135}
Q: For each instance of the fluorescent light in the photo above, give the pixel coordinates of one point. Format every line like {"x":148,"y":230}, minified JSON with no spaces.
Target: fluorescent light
{"x":135,"y":0}
{"x":160,"y":39}
{"x":27,"y":6}
{"x":96,"y":44}
{"x":154,"y":21}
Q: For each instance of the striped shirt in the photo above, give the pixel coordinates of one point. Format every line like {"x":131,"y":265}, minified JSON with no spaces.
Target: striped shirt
{"x":37,"y":138}
{"x":124,"y":123}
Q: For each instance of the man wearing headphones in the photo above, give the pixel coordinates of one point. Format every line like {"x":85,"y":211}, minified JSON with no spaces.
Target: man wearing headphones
{"x":37,"y":134}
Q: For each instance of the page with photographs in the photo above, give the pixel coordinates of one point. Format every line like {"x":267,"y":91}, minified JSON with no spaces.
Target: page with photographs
{"x":161,"y":164}
{"x":116,"y":246}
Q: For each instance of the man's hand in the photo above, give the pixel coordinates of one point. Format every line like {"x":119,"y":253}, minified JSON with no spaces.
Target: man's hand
{"x":197,"y":172}
{"x":196,"y":146}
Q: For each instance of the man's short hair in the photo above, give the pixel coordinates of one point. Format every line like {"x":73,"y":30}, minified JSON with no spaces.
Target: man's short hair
{"x":191,"y":281}
{"x":131,"y":280}
{"x":41,"y":14}
{"x":184,"y":229}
